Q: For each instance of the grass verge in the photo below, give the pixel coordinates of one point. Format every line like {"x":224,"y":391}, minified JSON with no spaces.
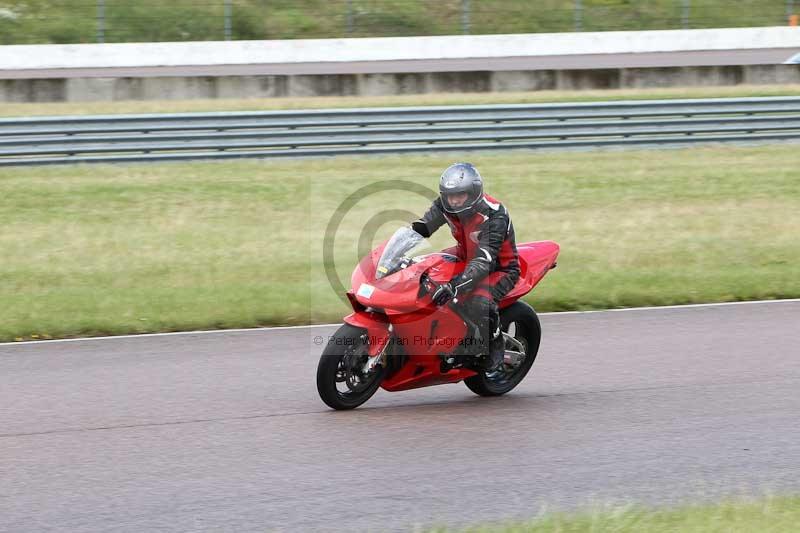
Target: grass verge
{"x":771,"y":515}
{"x":45,"y":21}
{"x":140,"y":248}
{"x":323,"y":102}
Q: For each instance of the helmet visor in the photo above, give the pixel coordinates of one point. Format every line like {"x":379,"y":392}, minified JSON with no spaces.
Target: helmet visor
{"x":456,"y":200}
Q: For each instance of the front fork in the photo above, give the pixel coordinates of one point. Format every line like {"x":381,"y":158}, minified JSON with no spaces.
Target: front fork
{"x":379,"y":359}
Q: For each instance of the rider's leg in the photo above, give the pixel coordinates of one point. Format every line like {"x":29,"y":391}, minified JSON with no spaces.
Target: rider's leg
{"x":482,"y":308}
{"x":486,"y":298}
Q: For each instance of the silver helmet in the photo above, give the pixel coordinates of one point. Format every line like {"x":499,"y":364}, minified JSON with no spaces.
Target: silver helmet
{"x":457,"y":179}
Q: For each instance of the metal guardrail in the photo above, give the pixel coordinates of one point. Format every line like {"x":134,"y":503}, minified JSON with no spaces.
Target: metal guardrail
{"x":165,"y":137}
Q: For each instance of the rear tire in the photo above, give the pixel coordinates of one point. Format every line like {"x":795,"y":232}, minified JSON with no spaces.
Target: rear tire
{"x":528,"y":331}
{"x":341,"y":382}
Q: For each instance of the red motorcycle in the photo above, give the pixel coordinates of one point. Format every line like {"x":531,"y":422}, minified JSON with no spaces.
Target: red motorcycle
{"x":398,"y":339}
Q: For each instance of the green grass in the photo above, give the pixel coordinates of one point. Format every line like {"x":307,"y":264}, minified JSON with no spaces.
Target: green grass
{"x":262,"y":104}
{"x":116,"y":249}
{"x":75,"y":21}
{"x":771,"y":515}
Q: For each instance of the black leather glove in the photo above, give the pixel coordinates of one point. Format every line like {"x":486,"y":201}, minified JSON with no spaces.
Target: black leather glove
{"x":447,"y":291}
{"x":443,"y":293}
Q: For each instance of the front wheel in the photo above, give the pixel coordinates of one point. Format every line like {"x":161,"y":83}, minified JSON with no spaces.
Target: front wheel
{"x":521,"y":329}
{"x":341,"y":380}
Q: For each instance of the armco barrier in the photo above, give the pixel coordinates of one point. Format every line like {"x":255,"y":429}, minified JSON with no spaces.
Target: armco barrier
{"x":163,"y":137}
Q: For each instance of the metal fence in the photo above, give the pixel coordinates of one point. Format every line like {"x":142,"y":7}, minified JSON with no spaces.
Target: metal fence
{"x":75,"y":21}
{"x":187,"y":136}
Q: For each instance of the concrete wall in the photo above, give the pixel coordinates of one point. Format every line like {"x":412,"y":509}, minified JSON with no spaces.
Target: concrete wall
{"x":178,"y":88}
{"x":110,"y":72}
{"x":118,"y":55}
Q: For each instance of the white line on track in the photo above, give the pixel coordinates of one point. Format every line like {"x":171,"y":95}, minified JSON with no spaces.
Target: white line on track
{"x":660,"y":307}
{"x":278,"y":328}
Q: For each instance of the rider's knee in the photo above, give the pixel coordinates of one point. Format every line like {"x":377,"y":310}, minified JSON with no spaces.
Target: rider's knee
{"x":483,"y":306}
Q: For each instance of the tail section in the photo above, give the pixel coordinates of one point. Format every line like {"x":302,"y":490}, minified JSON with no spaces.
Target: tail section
{"x":535,"y":260}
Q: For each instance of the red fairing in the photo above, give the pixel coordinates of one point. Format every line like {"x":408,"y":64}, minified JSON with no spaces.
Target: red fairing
{"x":377,"y":329}
{"x":394,"y":307}
{"x":535,"y":260}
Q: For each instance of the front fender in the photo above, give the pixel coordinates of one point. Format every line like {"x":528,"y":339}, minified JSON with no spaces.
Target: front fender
{"x":377,"y":326}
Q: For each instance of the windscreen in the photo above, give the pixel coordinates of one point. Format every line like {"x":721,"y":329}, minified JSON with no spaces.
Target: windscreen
{"x":396,"y":254}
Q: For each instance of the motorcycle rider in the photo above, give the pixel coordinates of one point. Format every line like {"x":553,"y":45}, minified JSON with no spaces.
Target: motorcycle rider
{"x":482,"y":227}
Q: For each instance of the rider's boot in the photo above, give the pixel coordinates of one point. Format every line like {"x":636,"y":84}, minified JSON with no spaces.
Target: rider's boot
{"x":496,"y":351}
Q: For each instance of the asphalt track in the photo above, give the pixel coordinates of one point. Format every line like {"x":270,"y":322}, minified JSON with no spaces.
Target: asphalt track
{"x":225,"y":432}
{"x":761,"y":56}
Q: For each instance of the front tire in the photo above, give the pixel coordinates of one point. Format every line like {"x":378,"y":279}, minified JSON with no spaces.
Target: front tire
{"x":341,"y":382}
{"x":527,"y":330}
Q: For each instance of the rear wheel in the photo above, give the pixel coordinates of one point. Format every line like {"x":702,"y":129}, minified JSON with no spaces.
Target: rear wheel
{"x":522,"y":334}
{"x":342,"y":382}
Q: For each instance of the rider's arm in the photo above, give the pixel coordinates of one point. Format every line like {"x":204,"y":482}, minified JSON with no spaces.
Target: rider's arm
{"x":432,"y":220}
{"x":493,"y":233}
